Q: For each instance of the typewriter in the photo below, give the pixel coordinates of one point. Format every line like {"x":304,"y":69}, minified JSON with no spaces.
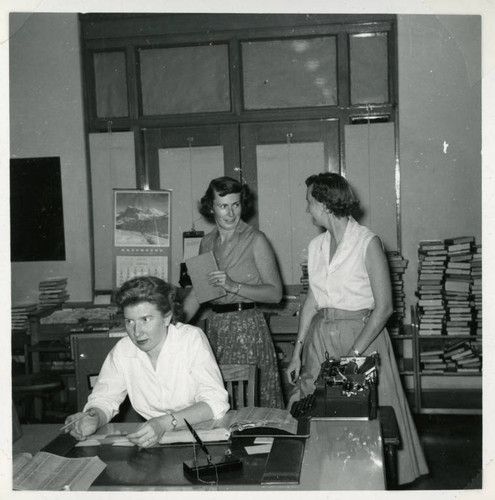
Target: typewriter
{"x":345,"y":388}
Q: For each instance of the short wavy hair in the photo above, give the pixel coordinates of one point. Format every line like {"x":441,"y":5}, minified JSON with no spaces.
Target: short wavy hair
{"x":153,"y":290}
{"x":334,"y":192}
{"x":224,"y":186}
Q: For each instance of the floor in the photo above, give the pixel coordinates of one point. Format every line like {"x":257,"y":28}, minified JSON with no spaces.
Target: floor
{"x":453,"y":449}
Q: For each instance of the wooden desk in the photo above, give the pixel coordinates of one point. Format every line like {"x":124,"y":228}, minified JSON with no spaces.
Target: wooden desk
{"x":339,"y":455}
{"x":34,"y":437}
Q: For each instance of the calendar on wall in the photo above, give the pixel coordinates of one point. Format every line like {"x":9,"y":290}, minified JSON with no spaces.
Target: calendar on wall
{"x":141,"y":234}
{"x":129,"y":266}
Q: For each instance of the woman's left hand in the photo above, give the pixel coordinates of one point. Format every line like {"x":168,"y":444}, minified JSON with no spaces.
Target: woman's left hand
{"x":149,"y":433}
{"x":220,"y":278}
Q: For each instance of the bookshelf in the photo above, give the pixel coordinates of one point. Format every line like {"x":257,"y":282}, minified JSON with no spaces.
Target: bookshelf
{"x":445,"y":389}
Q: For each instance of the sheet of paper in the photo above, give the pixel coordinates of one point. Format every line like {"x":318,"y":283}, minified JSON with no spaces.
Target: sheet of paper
{"x":258,"y":449}
{"x":88,"y":442}
{"x":46,"y":471}
{"x":98,"y":439}
{"x":263,"y":440}
{"x":123,"y":443}
{"x":103,"y":299}
{"x":191,"y":247}
{"x":116,"y":439}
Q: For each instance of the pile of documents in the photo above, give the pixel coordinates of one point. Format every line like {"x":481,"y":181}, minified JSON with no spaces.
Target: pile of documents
{"x":20,"y":314}
{"x":53,"y":292}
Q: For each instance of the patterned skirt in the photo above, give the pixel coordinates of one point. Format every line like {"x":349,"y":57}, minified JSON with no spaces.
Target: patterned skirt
{"x":243,"y":337}
{"x":334,"y":331}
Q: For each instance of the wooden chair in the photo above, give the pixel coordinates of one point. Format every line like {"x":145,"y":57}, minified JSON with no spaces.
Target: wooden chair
{"x":89,"y":351}
{"x":241,"y":384}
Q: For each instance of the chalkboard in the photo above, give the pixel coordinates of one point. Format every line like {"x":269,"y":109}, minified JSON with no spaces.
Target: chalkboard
{"x":36,"y":210}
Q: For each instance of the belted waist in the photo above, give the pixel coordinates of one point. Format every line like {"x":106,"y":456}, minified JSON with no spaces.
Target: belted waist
{"x":331,"y":314}
{"x":236,"y":306}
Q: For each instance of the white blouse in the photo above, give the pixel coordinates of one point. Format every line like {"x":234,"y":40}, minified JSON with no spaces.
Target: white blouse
{"x":344,"y":282}
{"x":186,"y":373}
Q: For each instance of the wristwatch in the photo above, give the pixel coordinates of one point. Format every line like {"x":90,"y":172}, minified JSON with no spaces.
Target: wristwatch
{"x":173,"y":421}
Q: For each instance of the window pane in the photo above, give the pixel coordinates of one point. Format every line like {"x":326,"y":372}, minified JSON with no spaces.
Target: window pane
{"x":111,"y":84}
{"x":290,"y":73}
{"x":369,"y":68}
{"x":185,"y":80}
{"x":282,"y":217}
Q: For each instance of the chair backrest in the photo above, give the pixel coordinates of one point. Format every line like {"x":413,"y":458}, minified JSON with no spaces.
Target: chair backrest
{"x":89,"y":351}
{"x":241,"y":384}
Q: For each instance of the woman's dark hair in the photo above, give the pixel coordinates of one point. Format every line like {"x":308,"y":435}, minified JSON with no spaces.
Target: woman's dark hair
{"x":224,"y":186}
{"x":153,"y":290}
{"x":334,"y":192}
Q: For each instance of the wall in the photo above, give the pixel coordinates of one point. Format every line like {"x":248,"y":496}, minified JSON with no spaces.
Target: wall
{"x":46,"y":119}
{"x":440,"y":131}
{"x":440,"y":101}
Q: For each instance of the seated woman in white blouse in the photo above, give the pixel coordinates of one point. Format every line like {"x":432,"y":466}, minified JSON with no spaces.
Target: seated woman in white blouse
{"x":167,"y":368}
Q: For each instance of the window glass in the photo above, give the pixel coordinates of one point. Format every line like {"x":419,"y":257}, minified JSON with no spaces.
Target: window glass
{"x":110,"y":84}
{"x":290,"y":73}
{"x":183,"y":80}
{"x":369,"y":68}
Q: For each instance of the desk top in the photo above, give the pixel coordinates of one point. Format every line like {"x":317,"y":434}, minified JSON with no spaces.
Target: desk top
{"x":343,"y":455}
{"x":339,"y":455}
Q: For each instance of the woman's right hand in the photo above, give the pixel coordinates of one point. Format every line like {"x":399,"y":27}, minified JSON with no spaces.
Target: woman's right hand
{"x":83,"y":424}
{"x":293,"y":369}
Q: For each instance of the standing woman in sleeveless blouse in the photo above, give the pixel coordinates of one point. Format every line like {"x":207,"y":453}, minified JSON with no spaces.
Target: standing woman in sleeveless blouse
{"x":348,"y":304}
{"x":248,"y":272}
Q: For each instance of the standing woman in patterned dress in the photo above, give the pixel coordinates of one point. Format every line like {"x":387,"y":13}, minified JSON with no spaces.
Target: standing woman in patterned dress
{"x":248,"y":272}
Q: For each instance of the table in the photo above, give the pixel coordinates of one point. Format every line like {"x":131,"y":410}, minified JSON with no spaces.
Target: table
{"x":339,"y":455}
{"x":34,"y":437}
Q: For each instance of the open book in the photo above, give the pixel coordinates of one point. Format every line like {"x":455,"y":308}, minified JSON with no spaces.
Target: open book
{"x":257,"y":421}
{"x":46,"y":471}
{"x":249,"y":421}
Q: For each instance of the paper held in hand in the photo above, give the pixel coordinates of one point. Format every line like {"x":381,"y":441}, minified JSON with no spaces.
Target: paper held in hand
{"x":198,"y":268}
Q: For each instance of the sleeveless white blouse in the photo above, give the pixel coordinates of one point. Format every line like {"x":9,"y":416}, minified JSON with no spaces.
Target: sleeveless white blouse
{"x":344,"y":283}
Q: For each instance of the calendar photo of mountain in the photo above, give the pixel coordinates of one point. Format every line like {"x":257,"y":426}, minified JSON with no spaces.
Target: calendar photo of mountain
{"x":142,"y":218}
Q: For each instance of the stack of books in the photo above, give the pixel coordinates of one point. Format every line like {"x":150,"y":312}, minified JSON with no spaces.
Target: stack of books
{"x":397,"y":266}
{"x":476,"y":290}
{"x":304,"y":278}
{"x":432,"y":256}
{"x":466,"y":355}
{"x":53,"y":292}
{"x":457,"y":286}
{"x":20,"y":314}
{"x":461,"y":357}
{"x":432,"y":361}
